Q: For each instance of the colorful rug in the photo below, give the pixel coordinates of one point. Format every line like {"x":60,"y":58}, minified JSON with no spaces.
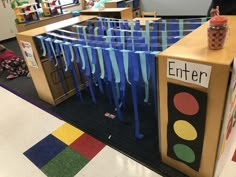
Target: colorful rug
{"x":64,"y":152}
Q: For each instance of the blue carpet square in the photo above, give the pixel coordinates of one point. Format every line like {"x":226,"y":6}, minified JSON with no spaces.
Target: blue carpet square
{"x":45,"y":150}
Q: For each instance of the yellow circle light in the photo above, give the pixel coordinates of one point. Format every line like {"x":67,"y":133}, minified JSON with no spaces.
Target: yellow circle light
{"x":185,"y":130}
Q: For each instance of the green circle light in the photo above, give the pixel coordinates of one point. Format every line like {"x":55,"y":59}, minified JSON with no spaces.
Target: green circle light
{"x":184,"y":153}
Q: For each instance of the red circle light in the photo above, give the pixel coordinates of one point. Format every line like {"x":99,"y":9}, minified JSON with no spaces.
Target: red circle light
{"x":186,"y":103}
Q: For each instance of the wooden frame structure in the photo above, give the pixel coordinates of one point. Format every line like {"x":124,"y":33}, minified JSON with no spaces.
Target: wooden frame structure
{"x":42,"y":71}
{"x":192,"y":51}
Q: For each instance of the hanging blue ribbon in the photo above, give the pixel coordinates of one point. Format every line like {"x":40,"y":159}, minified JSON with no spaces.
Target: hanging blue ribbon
{"x":41,"y":38}
{"x":134,"y":78}
{"x":139,"y":39}
{"x":154,"y":37}
{"x":101,"y":58}
{"x":84,"y":55}
{"x":52,"y":55}
{"x":194,"y":23}
{"x":173,"y":31}
{"x":153,"y":71}
{"x":111,"y":79}
{"x":147,"y":37}
{"x":78,"y":61}
{"x":93,"y":57}
{"x":164,"y":40}
{"x":59,"y":54}
{"x":69,"y":54}
{"x":137,"y":67}
{"x":144,"y":72}
{"x":119,"y":60}
{"x":181,"y":28}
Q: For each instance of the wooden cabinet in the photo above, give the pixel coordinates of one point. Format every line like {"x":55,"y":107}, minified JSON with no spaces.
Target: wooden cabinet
{"x":121,"y":13}
{"x":181,"y":71}
{"x":133,"y":4}
{"x":42,"y":22}
{"x":43,"y":72}
{"x":115,"y":4}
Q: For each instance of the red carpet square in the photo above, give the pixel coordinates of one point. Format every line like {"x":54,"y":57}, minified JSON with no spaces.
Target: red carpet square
{"x":87,"y":146}
{"x":234,"y":156}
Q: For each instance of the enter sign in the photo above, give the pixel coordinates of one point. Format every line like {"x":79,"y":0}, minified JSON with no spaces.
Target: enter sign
{"x":189,"y":72}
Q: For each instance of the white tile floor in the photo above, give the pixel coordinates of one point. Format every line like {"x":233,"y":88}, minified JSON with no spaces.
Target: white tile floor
{"x":22,"y":125}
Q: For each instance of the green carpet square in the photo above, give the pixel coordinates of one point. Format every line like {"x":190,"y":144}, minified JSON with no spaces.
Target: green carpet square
{"x":66,"y":164}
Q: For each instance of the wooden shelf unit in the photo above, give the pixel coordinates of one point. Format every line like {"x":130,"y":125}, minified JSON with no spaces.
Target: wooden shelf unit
{"x":44,"y":76}
{"x":193,"y":49}
{"x":43,"y":21}
{"x":121,"y":13}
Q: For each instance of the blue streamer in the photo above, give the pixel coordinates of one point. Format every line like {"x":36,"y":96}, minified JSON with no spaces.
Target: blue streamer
{"x":134,"y":83}
{"x":112,"y":82}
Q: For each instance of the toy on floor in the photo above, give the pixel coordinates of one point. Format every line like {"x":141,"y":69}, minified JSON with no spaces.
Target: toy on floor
{"x":52,"y":7}
{"x":24,"y":11}
{"x":12,"y":64}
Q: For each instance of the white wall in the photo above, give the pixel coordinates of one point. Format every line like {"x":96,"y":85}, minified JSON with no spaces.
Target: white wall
{"x":176,"y":7}
{"x":7,"y":22}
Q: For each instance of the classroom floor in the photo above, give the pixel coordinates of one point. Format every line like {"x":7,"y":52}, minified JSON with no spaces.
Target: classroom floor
{"x":36,"y":143}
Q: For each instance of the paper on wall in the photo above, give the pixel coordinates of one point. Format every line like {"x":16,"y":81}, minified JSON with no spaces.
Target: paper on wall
{"x":28,"y":54}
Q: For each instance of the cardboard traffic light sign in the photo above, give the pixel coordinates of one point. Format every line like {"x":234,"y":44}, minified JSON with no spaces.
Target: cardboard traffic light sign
{"x":186,"y":124}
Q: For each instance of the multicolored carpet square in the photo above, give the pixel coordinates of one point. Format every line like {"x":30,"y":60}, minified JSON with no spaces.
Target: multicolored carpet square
{"x":64,"y":152}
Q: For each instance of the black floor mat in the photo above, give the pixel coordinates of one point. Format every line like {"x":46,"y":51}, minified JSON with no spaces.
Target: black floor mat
{"x":90,"y":118}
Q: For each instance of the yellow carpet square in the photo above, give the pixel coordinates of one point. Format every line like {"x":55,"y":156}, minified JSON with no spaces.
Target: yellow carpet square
{"x":67,"y":133}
